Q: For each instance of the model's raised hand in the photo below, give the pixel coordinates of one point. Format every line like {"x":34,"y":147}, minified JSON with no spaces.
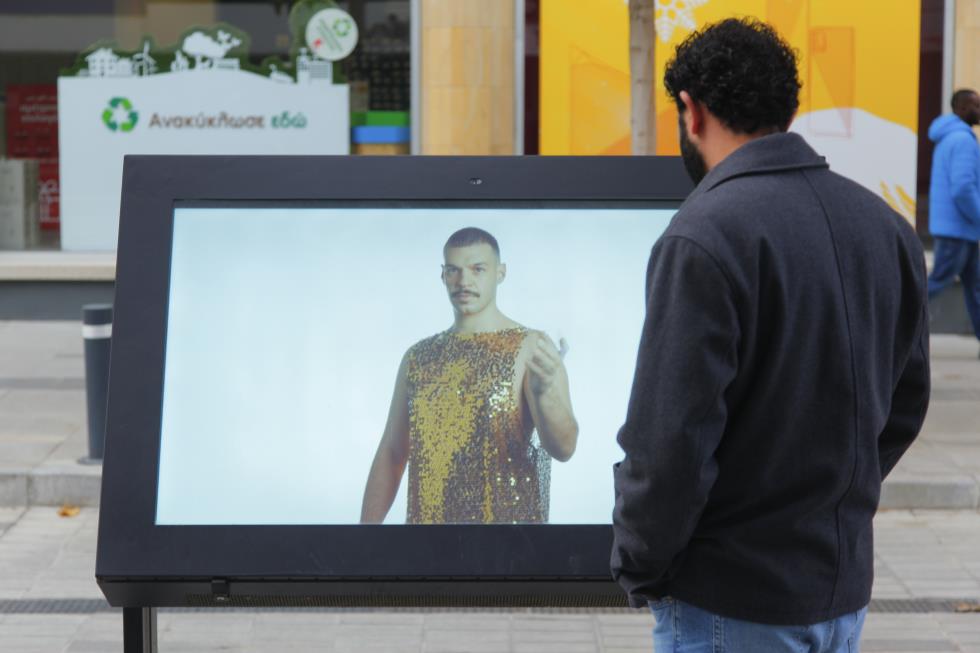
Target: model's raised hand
{"x":545,"y":364}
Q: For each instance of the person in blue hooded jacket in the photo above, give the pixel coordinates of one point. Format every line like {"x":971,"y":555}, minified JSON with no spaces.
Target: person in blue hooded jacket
{"x":954,"y":201}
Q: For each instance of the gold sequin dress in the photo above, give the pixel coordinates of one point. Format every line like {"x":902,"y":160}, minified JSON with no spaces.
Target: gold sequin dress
{"x":473,"y":454}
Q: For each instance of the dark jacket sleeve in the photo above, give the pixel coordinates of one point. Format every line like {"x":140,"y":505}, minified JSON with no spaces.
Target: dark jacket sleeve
{"x":909,"y":401}
{"x":676,"y":415}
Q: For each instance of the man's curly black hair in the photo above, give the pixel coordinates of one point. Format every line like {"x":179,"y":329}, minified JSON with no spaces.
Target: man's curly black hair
{"x":742,"y":71}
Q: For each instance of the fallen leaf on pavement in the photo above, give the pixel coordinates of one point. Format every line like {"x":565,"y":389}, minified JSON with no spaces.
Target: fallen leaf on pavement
{"x":68,"y":510}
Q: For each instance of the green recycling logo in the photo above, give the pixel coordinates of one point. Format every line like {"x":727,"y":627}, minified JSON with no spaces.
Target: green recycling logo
{"x":120,"y":115}
{"x":331,"y":34}
{"x":342,"y":26}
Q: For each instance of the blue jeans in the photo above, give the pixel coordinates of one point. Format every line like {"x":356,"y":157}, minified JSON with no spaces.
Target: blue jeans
{"x":683,"y":628}
{"x":956,"y":257}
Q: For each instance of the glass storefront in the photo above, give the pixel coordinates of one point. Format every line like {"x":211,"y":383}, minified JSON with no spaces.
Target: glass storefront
{"x":182,"y":77}
{"x":500,"y":77}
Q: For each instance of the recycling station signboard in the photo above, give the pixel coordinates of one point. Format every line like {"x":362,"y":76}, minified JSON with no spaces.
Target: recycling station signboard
{"x":201,"y":97}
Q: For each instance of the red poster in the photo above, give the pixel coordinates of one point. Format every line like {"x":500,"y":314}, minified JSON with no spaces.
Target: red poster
{"x":32,"y":133}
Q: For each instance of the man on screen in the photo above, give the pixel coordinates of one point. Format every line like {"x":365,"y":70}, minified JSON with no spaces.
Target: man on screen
{"x":467,"y":404}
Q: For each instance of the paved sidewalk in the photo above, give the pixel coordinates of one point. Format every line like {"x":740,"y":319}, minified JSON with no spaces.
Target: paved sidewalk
{"x":43,"y":431}
{"x":46,"y":559}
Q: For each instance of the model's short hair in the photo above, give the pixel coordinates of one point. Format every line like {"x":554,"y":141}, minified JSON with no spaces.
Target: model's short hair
{"x":472,"y":236}
{"x":961,"y":97}
{"x":742,"y":70}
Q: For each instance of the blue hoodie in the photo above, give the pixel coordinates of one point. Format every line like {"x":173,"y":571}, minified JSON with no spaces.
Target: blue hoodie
{"x":954,"y":189}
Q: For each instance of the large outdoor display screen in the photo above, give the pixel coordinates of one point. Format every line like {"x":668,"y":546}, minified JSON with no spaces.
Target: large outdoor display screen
{"x":397,"y":363}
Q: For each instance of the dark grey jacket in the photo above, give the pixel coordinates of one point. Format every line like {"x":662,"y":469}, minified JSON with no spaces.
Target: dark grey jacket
{"x":783,"y":370}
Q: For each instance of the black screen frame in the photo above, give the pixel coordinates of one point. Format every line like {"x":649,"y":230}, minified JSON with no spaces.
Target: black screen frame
{"x":141,"y":564}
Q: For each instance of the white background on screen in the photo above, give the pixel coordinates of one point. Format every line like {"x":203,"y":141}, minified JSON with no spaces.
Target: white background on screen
{"x":286,"y":328}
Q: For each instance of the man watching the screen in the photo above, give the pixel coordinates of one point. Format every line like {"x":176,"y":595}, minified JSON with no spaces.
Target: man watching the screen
{"x":782,"y":371}
{"x":467,"y":405}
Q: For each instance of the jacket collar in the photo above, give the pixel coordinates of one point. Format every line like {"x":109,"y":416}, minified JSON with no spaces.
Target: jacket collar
{"x":772,"y":153}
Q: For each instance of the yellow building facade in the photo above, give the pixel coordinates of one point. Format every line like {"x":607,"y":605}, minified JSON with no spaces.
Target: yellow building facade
{"x":859,"y":66}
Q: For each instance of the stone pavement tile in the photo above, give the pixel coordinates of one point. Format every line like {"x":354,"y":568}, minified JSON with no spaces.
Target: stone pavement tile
{"x":470,"y":636}
{"x":900,"y":626}
{"x":309,"y":637}
{"x":378,"y":630}
{"x":102,"y":625}
{"x":930,"y":490}
{"x":94,"y":645}
{"x":481,"y":633}
{"x":951,"y":417}
{"x":357,"y":647}
{"x":40,"y":359}
{"x":924,"y":456}
{"x":27,"y":450}
{"x":961,"y":628}
{"x":965,"y":439}
{"x":193,"y":623}
{"x":541,"y":636}
{"x":36,"y":333}
{"x":379,"y":642}
{"x":284,"y":646}
{"x":928,"y":552}
{"x":906,"y":646}
{"x":633,"y":640}
{"x":9,"y":516}
{"x":42,"y":367}
{"x":551,"y":623}
{"x":50,"y":625}
{"x":942,"y":592}
{"x":626,"y":631}
{"x":38,"y":633}
{"x":630,"y":618}
{"x":42,"y":546}
{"x":893,"y":590}
{"x":183,"y":647}
{"x":462,"y":644}
{"x":201,"y":631}
{"x":467,"y":621}
{"x":73,"y":447}
{"x":66,"y":404}
{"x":555,"y":647}
{"x":379,"y":616}
{"x":965,"y":456}
{"x":953,"y":346}
{"x":20,"y":425}
{"x":47,"y":644}
{"x":276,"y":621}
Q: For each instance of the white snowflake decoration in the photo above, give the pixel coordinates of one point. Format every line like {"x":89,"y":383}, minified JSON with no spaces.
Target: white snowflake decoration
{"x":673,"y":14}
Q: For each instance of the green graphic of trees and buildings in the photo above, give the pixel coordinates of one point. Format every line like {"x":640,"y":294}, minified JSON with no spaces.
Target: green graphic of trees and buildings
{"x":216,"y":47}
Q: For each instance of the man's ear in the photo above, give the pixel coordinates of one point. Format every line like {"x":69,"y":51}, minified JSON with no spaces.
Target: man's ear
{"x":693,"y":114}
{"x":501,"y":272}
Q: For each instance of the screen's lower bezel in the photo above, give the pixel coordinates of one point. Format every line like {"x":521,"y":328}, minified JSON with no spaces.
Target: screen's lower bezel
{"x":135,"y":555}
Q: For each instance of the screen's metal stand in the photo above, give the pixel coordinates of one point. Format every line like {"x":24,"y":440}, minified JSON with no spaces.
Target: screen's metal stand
{"x":140,"y":630}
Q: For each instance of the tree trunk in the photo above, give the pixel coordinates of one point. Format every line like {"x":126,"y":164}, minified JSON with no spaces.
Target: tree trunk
{"x":643,"y":117}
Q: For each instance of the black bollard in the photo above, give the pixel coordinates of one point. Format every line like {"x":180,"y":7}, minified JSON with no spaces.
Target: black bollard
{"x":97,"y":333}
